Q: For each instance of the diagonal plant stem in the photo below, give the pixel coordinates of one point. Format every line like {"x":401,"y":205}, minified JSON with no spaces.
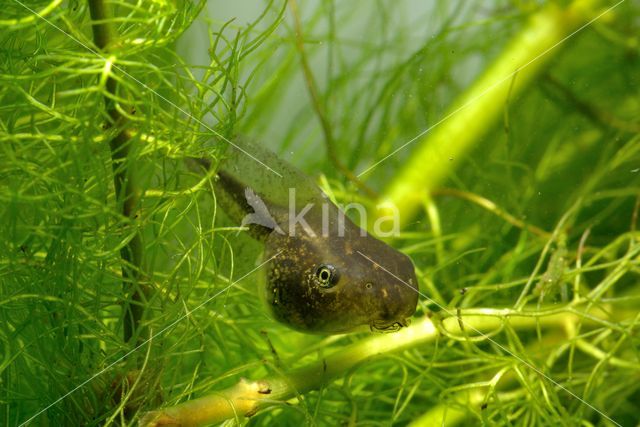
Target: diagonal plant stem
{"x":493,"y":208}
{"x":446,"y":142}
{"x":312,"y":88}
{"x":246,"y":398}
{"x":126,"y":191}
{"x":604,"y":118}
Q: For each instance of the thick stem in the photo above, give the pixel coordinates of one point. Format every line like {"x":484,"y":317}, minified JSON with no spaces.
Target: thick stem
{"x":436,"y":154}
{"x":248,"y":397}
{"x":126,"y":192}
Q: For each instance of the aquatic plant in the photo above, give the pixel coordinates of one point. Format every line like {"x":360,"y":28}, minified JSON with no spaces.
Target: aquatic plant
{"x":506,"y":133}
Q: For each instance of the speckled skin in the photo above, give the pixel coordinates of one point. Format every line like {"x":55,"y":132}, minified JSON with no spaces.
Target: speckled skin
{"x":381,"y":294}
{"x":375,"y":285}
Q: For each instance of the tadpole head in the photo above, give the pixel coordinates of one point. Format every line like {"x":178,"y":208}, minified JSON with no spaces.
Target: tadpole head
{"x":339,"y":284}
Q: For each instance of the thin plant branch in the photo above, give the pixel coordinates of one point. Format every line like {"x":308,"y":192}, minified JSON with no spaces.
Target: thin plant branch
{"x":312,"y":88}
{"x":493,"y":208}
{"x":602,"y":117}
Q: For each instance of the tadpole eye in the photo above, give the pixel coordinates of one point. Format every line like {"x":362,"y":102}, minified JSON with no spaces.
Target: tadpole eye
{"x":327,"y":275}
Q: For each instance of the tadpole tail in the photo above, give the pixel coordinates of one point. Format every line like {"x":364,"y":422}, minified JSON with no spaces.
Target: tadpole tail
{"x":197,"y":164}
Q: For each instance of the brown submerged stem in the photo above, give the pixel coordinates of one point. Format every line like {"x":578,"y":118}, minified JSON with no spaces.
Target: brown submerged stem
{"x":125,"y":189}
{"x":312,"y":88}
{"x":600,"y":116}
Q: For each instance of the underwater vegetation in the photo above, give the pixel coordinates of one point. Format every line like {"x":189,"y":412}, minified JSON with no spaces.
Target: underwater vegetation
{"x":504,"y":137}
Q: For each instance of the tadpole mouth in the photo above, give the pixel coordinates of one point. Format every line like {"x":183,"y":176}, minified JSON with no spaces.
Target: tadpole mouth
{"x":386,"y":326}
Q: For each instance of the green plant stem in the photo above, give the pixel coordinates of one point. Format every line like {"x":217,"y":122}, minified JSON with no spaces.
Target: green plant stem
{"x":481,"y":106}
{"x":493,"y":208}
{"x":126,"y":191}
{"x":247,"y":397}
{"x":448,"y":414}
